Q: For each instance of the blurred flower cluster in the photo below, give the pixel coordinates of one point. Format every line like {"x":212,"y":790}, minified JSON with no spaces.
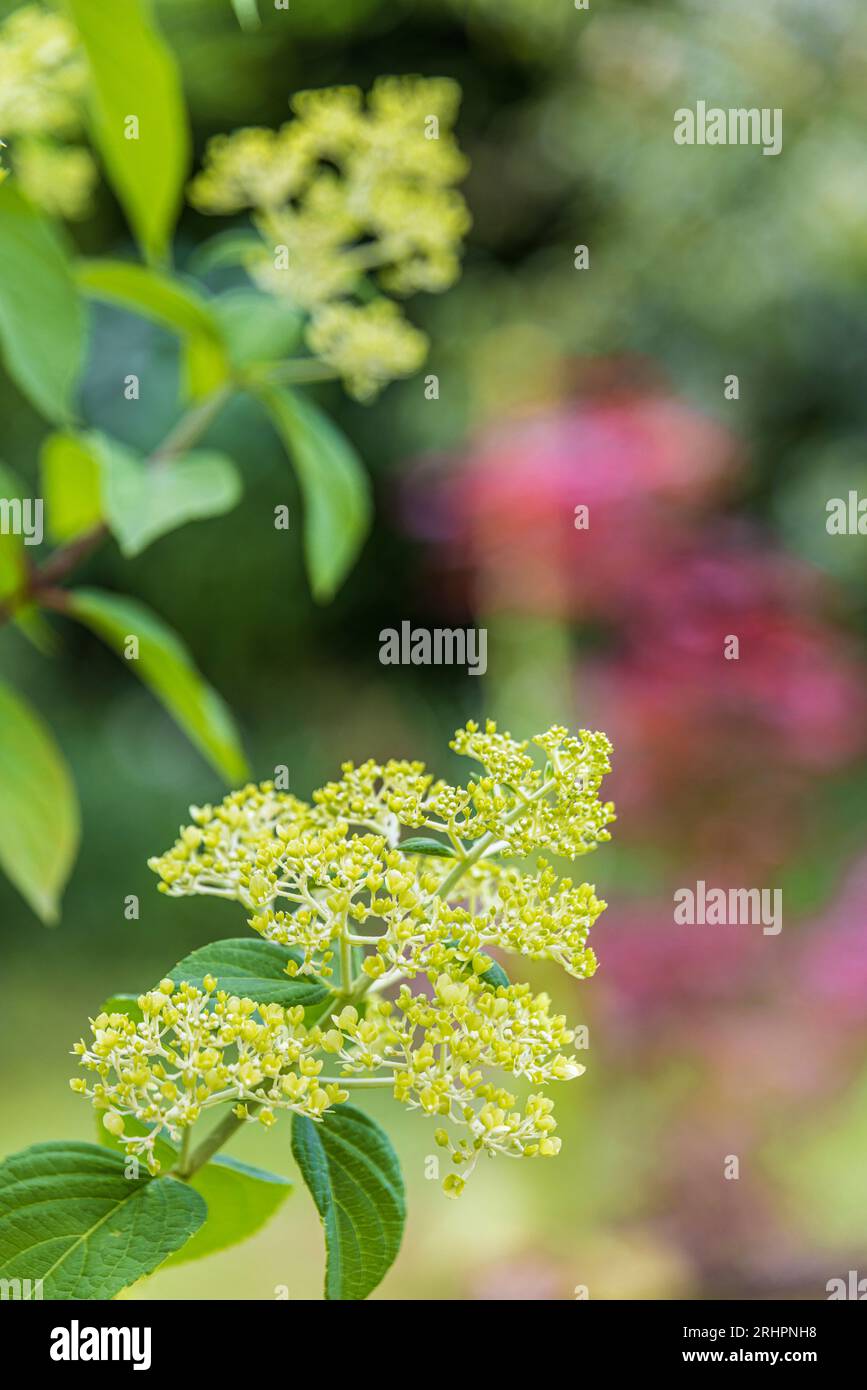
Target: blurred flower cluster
{"x":43,"y":76}
{"x":342,"y":191}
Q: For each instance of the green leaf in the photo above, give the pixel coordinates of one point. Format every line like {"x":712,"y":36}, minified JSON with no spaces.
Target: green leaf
{"x":257,"y":327}
{"x":164,"y":299}
{"x":253,"y":968}
{"x":39,"y":817}
{"x":133,"y":74}
{"x":354,"y":1177}
{"x":494,"y":976}
{"x":42,"y":325}
{"x":69,"y":1217}
{"x":334,"y":486}
{"x":71,"y":488}
{"x":144,"y":501}
{"x":240,"y":1200}
{"x":166,"y":667}
{"x":248,"y":13}
{"x":423,"y":844}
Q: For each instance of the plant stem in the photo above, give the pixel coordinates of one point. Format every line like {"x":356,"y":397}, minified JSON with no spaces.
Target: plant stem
{"x":218,"y":1136}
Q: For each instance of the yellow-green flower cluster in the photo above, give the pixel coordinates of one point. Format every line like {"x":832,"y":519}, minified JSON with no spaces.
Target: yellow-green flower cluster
{"x":194,"y":1049}
{"x":345,"y":190}
{"x":43,"y":75}
{"x":339,"y":880}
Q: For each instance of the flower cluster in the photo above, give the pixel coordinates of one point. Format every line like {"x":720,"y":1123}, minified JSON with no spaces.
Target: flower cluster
{"x":43,"y":74}
{"x":365,"y":905}
{"x":343,"y":191}
{"x":194,"y":1049}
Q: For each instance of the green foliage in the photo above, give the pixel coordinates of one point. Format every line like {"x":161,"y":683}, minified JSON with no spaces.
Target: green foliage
{"x":71,"y":486}
{"x":254,"y":968}
{"x":133,"y":73}
{"x":333,"y":484}
{"x":41,"y":315}
{"x":240,"y":1200}
{"x":424,"y":844}
{"x":166,"y":667}
{"x":69,"y":1217}
{"x":39,"y":818}
{"x":355,"y":1180}
{"x":143,"y":503}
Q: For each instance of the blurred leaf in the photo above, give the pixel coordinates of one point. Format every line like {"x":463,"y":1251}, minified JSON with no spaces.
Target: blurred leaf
{"x":171,"y":302}
{"x":248,"y":13}
{"x":254,"y":968}
{"x":70,"y":478}
{"x":334,"y":485}
{"x":133,"y":74}
{"x":240,"y":1200}
{"x":424,"y":844}
{"x":70,"y":1217}
{"x":166,"y":667}
{"x":354,"y":1177}
{"x":165,"y":299}
{"x":39,"y":817}
{"x":229,"y":248}
{"x":42,"y":326}
{"x":257,"y":327}
{"x":144,"y":501}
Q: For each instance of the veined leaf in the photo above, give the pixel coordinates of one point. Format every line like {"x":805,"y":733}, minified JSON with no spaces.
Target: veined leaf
{"x":253,"y":968}
{"x":138,"y":115}
{"x":334,"y":486}
{"x":144,"y":501}
{"x":240,"y":1200}
{"x":39,"y":817}
{"x":71,"y":488}
{"x":69,"y":1217}
{"x":354,"y":1177}
{"x":42,"y":323}
{"x":166,"y":667}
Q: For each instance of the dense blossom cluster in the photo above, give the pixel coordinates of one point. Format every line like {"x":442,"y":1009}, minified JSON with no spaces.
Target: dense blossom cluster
{"x":43,"y":75}
{"x":194,"y":1049}
{"x":369,"y":908}
{"x":343,"y":190}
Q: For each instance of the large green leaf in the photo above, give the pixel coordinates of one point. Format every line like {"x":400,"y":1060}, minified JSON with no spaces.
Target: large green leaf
{"x":42,"y":325}
{"x":355,"y":1180}
{"x":39,"y":818}
{"x":133,"y":74}
{"x":334,"y":486}
{"x":71,"y":485}
{"x":240,"y":1200}
{"x":253,"y":968}
{"x":69,"y":1217}
{"x":166,"y":667}
{"x":145,"y":501}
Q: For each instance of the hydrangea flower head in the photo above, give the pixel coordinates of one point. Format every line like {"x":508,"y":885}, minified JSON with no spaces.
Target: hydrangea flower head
{"x":343,"y":192}
{"x":371,"y":909}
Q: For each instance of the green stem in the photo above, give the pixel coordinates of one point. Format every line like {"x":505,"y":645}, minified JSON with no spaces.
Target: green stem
{"x":218,"y":1136}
